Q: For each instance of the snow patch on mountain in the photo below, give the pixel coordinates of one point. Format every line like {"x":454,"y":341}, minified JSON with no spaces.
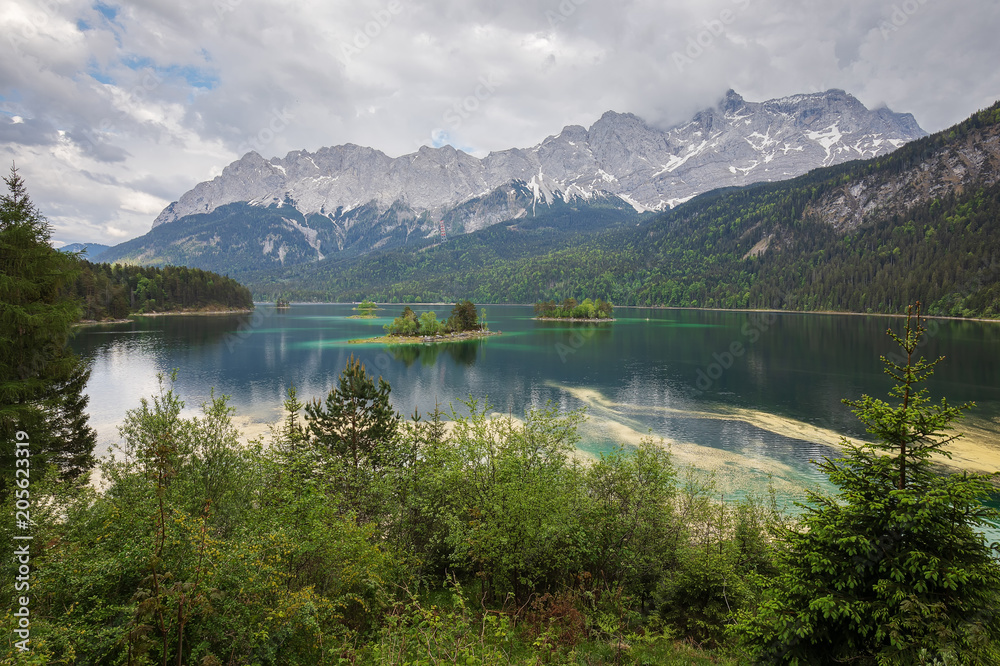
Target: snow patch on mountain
{"x":734,"y":143}
{"x":828,"y":138}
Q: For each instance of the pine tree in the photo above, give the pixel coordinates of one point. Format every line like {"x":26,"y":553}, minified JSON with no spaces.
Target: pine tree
{"x":464,"y":317}
{"x":72,"y":436}
{"x":437,"y":431}
{"x":893,"y":569}
{"x":289,"y":436}
{"x":358,"y":428}
{"x":41,"y":381}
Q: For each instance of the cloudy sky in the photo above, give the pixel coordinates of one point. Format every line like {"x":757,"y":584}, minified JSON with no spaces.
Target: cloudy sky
{"x":113,"y":110}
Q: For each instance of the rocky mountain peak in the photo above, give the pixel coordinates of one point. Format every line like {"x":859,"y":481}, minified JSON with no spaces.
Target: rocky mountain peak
{"x":734,"y":143}
{"x":731,"y":101}
{"x":612,"y":121}
{"x":574,"y":133}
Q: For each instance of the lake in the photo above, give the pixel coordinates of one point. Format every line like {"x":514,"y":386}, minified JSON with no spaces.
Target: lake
{"x":746,"y":396}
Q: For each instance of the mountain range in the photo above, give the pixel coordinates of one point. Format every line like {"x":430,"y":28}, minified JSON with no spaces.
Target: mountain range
{"x":922,"y":223}
{"x":346,"y":201}
{"x":89,"y":251}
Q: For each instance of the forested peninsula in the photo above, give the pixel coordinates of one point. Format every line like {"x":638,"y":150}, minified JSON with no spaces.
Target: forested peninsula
{"x":108,"y":291}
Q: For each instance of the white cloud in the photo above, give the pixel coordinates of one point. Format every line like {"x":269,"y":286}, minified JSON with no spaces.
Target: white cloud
{"x":143,"y":203}
{"x":122,"y":108}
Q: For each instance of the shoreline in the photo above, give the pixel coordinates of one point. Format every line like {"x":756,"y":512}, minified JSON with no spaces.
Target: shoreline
{"x":193,"y":312}
{"x":419,"y":339}
{"x":94,"y":322}
{"x":812,"y":312}
{"x":678,"y":307}
{"x":135,"y":316}
{"x":593,"y":320}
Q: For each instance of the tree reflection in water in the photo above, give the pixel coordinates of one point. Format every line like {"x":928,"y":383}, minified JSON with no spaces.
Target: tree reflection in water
{"x":463,"y":353}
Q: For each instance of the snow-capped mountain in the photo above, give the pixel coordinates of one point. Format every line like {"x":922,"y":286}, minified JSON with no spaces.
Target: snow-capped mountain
{"x":350,"y":200}
{"x":735,"y":143}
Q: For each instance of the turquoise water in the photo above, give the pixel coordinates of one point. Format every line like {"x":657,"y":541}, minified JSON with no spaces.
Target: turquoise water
{"x":746,"y":396}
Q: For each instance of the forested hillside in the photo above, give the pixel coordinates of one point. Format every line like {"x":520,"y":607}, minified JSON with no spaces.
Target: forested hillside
{"x":443,"y":267}
{"x":107,"y":291}
{"x":244,"y":240}
{"x":922,"y":223}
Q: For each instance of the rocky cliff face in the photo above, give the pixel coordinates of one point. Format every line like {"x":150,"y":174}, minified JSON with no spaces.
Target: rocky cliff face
{"x":735,"y":143}
{"x":971,"y":162}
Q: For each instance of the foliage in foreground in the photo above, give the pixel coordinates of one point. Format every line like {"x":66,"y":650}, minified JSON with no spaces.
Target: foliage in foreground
{"x":42,"y":400}
{"x":891,"y":570}
{"x":357,"y":536}
{"x":332,"y":543}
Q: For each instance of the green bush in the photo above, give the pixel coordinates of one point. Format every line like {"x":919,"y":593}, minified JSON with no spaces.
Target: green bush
{"x":201,"y":549}
{"x":894,"y":569}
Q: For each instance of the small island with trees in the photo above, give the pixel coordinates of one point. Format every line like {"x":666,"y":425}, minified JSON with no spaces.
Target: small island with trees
{"x":463,"y":324}
{"x":587,"y":310}
{"x":365,"y":309}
